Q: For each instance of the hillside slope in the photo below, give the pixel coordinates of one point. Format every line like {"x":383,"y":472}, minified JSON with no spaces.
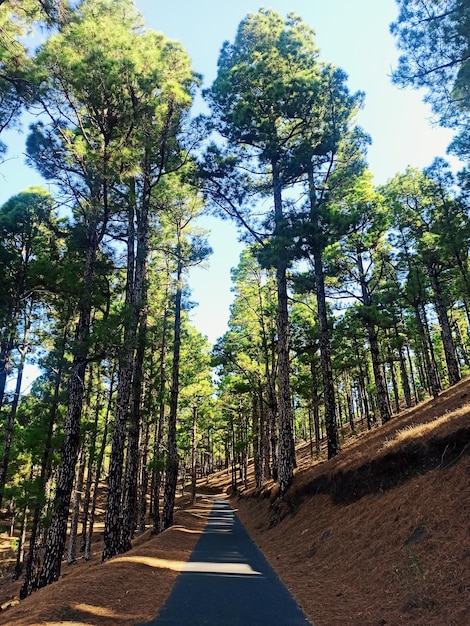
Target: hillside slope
{"x":378,"y":536}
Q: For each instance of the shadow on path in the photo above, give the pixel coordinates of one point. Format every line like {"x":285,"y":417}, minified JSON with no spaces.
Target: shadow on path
{"x":228,"y":582}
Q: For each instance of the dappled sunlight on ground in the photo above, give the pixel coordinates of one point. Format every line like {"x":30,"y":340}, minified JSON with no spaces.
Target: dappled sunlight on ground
{"x":94,"y":610}
{"x":397,"y":555}
{"x":191,"y":566}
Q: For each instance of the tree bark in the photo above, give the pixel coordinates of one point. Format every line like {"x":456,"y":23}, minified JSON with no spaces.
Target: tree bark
{"x":132,"y":459}
{"x":193,"y":456}
{"x":172,"y":462}
{"x":431,"y":373}
{"x":331,"y":426}
{"x":453,"y":369}
{"x":372,"y":334}
{"x":6,"y":347}
{"x":116,"y":539}
{"x":30,"y":577}
{"x":405,"y":382}
{"x":99,"y":465}
{"x":286,"y":437}
{"x":158,"y":438}
{"x":10,"y":421}
{"x":323,"y":329}
{"x":51,"y":566}
{"x":72,"y":548}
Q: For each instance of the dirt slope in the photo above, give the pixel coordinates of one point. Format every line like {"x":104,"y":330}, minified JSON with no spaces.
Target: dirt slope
{"x":381,"y":534}
{"x":378,"y":536}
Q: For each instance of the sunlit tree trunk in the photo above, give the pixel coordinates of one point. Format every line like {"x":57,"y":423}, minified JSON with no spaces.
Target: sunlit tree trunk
{"x":373,"y":337}
{"x":453,"y":369}
{"x":286,"y":461}
{"x":323,"y":329}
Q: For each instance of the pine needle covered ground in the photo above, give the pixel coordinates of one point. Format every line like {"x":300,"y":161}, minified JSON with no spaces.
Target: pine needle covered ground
{"x":377,"y":536}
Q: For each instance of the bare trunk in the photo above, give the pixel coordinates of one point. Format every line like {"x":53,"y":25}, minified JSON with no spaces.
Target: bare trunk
{"x":172,"y":461}
{"x":99,"y":465}
{"x":10,"y":421}
{"x":256,"y":400}
{"x":51,"y":566}
{"x":372,"y":334}
{"x":405,"y":383}
{"x":157,"y":472}
{"x":5,"y":355}
{"x":116,"y":537}
{"x":32,"y":562}
{"x":21,"y":544}
{"x":382,"y":393}
{"x":323,"y":329}
{"x":72,"y":547}
{"x":194,"y":456}
{"x":331,"y":426}
{"x":90,"y":474}
{"x":132,"y":460}
{"x":286,"y":438}
{"x":453,"y":369}
{"x":431,"y":374}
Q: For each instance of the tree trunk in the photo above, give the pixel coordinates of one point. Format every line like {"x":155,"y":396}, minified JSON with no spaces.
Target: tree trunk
{"x":132,"y":460}
{"x":90,"y":473}
{"x":405,"y":383}
{"x":382,"y":393}
{"x":286,"y":438}
{"x":396,"y":396}
{"x":265,"y":428}
{"x":157,"y":472}
{"x":315,"y":408}
{"x":10,"y":421}
{"x":99,"y":465}
{"x":144,"y":474}
{"x":51,"y":566}
{"x":32,"y":562}
{"x":193,"y":456}
{"x":431,"y":373}
{"x":5,"y":355}
{"x":325,"y":359}
{"x":72,"y":548}
{"x":372,"y":334}
{"x":172,"y":462}
{"x":256,"y":399}
{"x":323,"y":329}
{"x":453,"y":369}
{"x":21,"y":542}
{"x":114,"y":540}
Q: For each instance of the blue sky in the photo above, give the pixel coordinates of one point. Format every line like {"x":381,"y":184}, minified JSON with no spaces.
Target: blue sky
{"x":352,"y":34}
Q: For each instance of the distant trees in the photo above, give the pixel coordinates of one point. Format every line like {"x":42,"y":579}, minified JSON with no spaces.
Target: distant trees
{"x":290,"y":116}
{"x":350,"y":302}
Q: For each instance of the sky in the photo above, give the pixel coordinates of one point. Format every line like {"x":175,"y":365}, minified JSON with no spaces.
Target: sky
{"x":351,"y":34}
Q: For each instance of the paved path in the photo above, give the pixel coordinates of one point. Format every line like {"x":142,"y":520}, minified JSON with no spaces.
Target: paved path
{"x":228,"y":582}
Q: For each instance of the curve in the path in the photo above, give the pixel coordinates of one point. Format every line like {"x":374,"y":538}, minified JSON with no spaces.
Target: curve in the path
{"x":228,"y":582}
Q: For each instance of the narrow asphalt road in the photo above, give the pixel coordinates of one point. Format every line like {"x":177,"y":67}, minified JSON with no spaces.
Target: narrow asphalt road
{"x":228,"y":582}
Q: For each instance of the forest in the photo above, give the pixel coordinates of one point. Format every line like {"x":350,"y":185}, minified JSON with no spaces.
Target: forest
{"x":351,"y":301}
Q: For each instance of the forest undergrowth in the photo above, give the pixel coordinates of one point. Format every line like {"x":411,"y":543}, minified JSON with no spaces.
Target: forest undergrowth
{"x":377,"y":536}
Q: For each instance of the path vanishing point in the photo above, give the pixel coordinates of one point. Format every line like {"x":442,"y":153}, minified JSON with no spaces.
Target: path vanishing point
{"x":228,"y":582}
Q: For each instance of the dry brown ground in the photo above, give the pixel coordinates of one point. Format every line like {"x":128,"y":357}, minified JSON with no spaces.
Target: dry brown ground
{"x":121,"y":592}
{"x":378,"y":536}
